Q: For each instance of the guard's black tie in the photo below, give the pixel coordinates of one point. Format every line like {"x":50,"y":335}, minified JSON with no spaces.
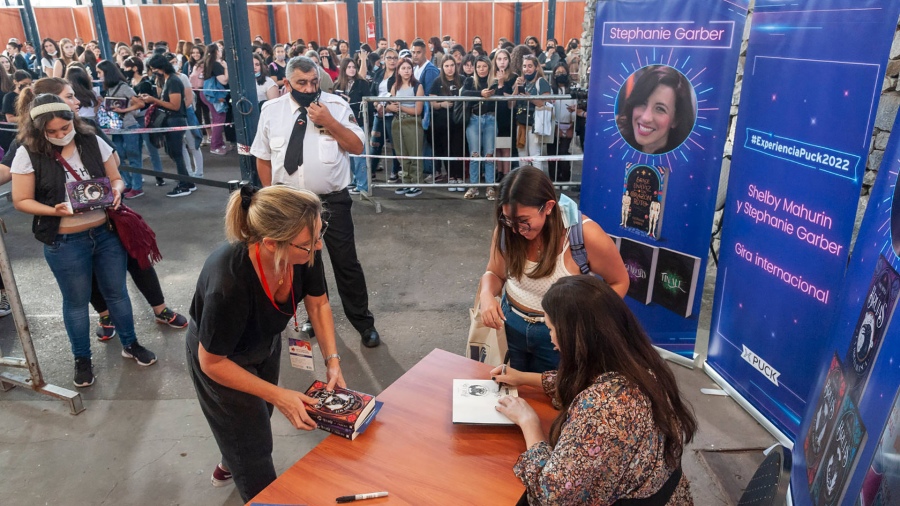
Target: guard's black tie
{"x":293,"y":159}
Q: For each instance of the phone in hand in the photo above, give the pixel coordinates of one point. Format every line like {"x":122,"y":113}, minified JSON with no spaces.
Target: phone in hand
{"x":521,"y":89}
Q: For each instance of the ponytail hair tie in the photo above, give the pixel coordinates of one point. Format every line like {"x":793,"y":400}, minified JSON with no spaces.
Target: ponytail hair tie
{"x":247,"y":193}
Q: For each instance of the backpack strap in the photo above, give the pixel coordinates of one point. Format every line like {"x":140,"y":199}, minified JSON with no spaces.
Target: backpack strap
{"x":576,"y":245}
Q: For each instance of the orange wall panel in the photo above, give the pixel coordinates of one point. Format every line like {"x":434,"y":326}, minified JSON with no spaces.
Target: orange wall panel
{"x":159,"y":24}
{"x":480,"y":22}
{"x":428,"y":21}
{"x":453,"y":21}
{"x":327,"y":19}
{"x":365,"y":12}
{"x":340,"y":22}
{"x":259,"y":21}
{"x":573,"y":19}
{"x":532,"y":21}
{"x":84,"y":22}
{"x":504,"y":21}
{"x":281,"y":24}
{"x":55,"y":23}
{"x":11,"y":22}
{"x":133,"y":16}
{"x":183,"y":26}
{"x":117,"y":24}
{"x":215,"y":22}
{"x":401,"y":21}
{"x":196,"y":27}
{"x":303,"y":22}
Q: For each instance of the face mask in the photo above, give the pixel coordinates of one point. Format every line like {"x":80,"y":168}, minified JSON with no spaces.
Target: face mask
{"x":529,"y":77}
{"x":279,"y":57}
{"x":128,"y":73}
{"x":64,"y":141}
{"x":562,"y":79}
{"x":52,"y":53}
{"x":304,"y":99}
{"x":256,"y":74}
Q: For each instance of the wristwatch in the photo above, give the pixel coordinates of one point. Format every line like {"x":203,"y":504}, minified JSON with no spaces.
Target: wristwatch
{"x":333,"y":355}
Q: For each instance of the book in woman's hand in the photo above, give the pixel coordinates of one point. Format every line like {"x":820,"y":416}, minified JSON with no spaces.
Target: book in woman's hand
{"x":341,"y":408}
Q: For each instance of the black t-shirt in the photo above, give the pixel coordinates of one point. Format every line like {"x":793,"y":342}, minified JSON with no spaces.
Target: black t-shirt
{"x":439,"y":89}
{"x":231,"y":311}
{"x":9,"y":104}
{"x":174,"y":86}
{"x":215,"y":70}
{"x":276,"y":72}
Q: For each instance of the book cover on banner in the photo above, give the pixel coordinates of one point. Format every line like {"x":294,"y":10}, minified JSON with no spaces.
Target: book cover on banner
{"x":874,"y":318}
{"x":346,"y":433}
{"x":825,"y":415}
{"x":840,"y":457}
{"x":474,"y":401}
{"x":881,"y":486}
{"x":643,"y":199}
{"x":342,"y":407}
{"x":640,"y":262}
{"x":675,"y":281}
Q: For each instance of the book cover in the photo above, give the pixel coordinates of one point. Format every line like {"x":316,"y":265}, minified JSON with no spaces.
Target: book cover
{"x":874,"y":318}
{"x":675,"y":281}
{"x":343,"y":407}
{"x":346,"y":433}
{"x":474,"y":401}
{"x":643,"y":199}
{"x":825,"y":415}
{"x":881,"y":486}
{"x":640,"y":262}
{"x":840,"y":456}
{"x":113,"y":103}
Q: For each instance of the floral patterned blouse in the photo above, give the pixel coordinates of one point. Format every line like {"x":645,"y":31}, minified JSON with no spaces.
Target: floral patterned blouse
{"x":608,"y":449}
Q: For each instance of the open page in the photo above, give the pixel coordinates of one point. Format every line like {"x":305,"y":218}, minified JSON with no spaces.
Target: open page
{"x":474,"y":401}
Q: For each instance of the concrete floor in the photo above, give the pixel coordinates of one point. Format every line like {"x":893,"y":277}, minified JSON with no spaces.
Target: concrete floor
{"x":143,"y":439}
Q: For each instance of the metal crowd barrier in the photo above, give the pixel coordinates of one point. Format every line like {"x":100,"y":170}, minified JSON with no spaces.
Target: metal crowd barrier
{"x":545,"y":160}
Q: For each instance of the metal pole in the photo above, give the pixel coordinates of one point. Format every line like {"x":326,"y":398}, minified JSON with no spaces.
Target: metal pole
{"x":102,"y":33}
{"x":204,"y":22}
{"x":353,"y":25}
{"x":28,"y":22}
{"x":379,"y":19}
{"x":517,"y":31}
{"x":551,"y":19}
{"x":236,"y":30}
{"x":273,"y":37}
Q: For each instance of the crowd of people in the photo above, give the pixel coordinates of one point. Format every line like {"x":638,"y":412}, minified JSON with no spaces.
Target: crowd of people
{"x":570,"y":334}
{"x":438,"y":67}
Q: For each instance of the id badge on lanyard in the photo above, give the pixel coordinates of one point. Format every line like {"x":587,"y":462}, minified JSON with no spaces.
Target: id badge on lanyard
{"x":300,"y":349}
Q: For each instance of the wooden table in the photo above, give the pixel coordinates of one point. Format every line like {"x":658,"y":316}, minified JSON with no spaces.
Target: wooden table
{"x":414,"y":451}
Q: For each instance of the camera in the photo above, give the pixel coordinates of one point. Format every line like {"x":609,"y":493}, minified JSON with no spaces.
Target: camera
{"x":579,"y":94}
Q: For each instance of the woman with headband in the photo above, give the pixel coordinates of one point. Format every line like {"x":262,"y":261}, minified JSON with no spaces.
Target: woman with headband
{"x":246,"y":295}
{"x":57,"y":148}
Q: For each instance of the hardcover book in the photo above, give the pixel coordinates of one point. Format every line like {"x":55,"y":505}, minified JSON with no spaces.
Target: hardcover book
{"x":840,"y":456}
{"x":337,"y":430}
{"x":342,"y":408}
{"x":640,"y":262}
{"x":675,"y":281}
{"x":823,"y":420}
{"x":874,"y":318}
{"x":474,"y":401}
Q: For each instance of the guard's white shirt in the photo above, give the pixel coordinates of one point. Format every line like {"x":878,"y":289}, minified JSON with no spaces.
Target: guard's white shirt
{"x":326,"y":166}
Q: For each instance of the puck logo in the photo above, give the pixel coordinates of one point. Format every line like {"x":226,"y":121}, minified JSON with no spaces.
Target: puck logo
{"x":760,"y":365}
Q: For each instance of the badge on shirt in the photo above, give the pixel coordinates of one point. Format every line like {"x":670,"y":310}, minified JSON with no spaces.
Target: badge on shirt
{"x":301,"y":353}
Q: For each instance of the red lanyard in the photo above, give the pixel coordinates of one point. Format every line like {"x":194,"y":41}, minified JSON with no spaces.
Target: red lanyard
{"x":262,"y":275}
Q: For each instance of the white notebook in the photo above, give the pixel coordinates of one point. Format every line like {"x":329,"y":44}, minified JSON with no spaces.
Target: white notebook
{"x":474,"y":401}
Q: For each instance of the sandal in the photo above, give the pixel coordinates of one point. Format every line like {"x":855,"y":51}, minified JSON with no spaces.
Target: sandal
{"x":471,"y":193}
{"x":491,"y":194}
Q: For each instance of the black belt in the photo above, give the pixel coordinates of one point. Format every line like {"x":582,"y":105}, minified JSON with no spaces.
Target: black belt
{"x":333,"y":194}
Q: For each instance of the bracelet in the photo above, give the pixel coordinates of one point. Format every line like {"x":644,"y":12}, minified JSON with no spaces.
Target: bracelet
{"x":333,"y":355}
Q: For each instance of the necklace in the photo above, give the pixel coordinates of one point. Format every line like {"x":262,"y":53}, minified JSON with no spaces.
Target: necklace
{"x":262,"y":276}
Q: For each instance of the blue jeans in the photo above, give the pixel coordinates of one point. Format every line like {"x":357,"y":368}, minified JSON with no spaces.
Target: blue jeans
{"x":196,"y":135}
{"x":376,"y":141}
{"x":128,"y":146}
{"x":530,"y":348}
{"x":481,"y":134}
{"x":360,"y":178}
{"x":154,"y":155}
{"x":74,"y":259}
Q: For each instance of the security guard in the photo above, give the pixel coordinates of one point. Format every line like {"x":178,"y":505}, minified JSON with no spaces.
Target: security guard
{"x":304,"y":140}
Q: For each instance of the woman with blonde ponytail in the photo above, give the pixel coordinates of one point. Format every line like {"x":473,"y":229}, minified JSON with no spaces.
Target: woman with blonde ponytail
{"x":246,"y":296}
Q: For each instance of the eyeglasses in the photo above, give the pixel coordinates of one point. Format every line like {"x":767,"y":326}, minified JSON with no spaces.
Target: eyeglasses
{"x":321,"y":235}
{"x":390,"y":57}
{"x":523,"y":227}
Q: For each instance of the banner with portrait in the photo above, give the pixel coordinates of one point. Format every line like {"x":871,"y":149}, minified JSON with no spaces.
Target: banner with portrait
{"x":812,"y":82}
{"x":659,"y":102}
{"x":848,"y":451}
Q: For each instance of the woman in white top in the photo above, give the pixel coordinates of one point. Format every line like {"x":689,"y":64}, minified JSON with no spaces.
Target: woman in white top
{"x":529,"y":252}
{"x":266,"y":88}
{"x":66,"y":56}
{"x":49,"y":56}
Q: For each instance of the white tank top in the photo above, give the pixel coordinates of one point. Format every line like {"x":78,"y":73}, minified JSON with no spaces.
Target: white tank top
{"x":527,"y":291}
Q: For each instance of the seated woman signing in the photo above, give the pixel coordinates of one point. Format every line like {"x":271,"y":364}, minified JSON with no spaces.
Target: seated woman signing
{"x":622,"y":427}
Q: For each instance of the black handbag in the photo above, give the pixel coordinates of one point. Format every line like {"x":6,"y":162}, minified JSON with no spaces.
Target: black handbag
{"x":156,"y":118}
